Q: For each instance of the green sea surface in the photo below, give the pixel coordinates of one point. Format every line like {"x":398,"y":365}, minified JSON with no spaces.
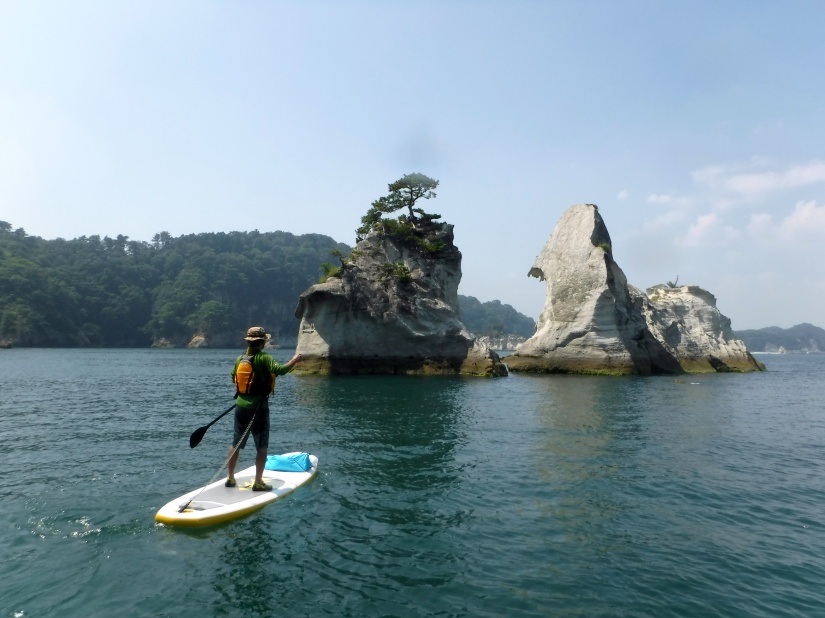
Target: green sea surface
{"x":519,"y":496}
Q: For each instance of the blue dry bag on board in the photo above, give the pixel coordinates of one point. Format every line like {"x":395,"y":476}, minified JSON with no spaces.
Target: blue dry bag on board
{"x":294,"y":462}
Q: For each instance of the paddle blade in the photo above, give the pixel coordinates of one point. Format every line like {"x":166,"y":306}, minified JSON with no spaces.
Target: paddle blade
{"x":197,"y":436}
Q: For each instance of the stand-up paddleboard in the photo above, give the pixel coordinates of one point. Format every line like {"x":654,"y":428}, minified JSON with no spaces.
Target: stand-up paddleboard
{"x":216,"y":503}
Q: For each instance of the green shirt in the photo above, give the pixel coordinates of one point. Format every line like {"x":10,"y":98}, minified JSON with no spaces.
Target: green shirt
{"x":262,"y":360}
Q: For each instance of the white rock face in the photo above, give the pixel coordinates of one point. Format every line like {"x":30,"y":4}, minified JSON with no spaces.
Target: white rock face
{"x":198,"y":341}
{"x":589,"y":323}
{"x":393,"y":309}
{"x":687,"y":321}
{"x":594,"y":322}
{"x":505,"y":342}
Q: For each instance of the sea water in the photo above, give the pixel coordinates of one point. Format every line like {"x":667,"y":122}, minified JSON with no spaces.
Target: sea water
{"x":520,"y":496}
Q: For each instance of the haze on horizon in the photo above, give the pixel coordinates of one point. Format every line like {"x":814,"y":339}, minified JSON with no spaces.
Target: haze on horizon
{"x":697,"y":128}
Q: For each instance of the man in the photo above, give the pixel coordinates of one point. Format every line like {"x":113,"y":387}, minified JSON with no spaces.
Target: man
{"x":254,"y":376}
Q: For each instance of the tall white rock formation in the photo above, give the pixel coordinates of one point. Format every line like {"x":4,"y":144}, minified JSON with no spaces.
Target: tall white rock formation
{"x":594,"y":322}
{"x":589,"y":323}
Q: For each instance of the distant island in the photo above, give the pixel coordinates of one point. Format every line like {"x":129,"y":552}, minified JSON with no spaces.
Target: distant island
{"x":499,"y":325}
{"x":800,"y":339}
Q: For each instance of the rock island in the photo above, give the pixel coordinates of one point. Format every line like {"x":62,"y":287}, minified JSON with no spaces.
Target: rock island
{"x":392,"y":305}
{"x":594,"y":322}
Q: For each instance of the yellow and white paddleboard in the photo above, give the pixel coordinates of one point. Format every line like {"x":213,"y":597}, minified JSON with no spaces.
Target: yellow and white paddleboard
{"x":216,"y":503}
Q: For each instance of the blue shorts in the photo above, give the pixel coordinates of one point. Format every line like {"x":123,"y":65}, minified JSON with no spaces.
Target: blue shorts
{"x":260,"y":426}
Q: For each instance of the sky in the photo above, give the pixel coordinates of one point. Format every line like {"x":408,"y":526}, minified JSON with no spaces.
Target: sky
{"x":697,"y":128}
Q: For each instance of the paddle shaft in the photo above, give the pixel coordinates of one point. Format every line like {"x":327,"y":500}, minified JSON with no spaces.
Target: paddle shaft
{"x":198,"y":434}
{"x":232,"y":452}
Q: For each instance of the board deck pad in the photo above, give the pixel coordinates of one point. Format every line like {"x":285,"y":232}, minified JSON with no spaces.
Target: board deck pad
{"x":215,"y":503}
{"x":221,"y":495}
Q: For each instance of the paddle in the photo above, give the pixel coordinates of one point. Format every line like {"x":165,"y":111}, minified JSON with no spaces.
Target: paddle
{"x":198,"y":434}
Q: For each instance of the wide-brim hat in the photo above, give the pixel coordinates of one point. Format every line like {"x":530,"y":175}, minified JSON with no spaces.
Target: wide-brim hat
{"x":257,"y":333}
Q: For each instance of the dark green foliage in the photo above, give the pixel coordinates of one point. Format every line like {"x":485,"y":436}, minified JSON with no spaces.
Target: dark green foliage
{"x":398,"y":271}
{"x":368,"y":221}
{"x":117,"y":292}
{"x":404,"y":193}
{"x":329,"y":270}
{"x":399,"y":229}
{"x":432,"y":247}
{"x":425,"y":215}
{"x":493,"y":318}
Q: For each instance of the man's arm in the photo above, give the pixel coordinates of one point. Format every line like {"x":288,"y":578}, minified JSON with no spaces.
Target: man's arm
{"x":278,"y":369}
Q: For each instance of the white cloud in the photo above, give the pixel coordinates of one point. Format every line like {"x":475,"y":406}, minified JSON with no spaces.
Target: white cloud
{"x":707,"y":216}
{"x":709,"y":229}
{"x":655,"y":198}
{"x":762,"y":227}
{"x":710,"y":176}
{"x":805,"y":225}
{"x":669,"y":199}
{"x":623,"y":194}
{"x":759,"y":183}
{"x":756,"y":184}
{"x":702,"y":229}
{"x":665,"y":220}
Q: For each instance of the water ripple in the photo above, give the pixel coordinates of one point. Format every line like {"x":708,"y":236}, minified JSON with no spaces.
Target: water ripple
{"x":527,"y":496}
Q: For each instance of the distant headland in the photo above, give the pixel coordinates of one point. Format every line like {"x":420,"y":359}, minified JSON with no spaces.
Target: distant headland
{"x":800,"y":339}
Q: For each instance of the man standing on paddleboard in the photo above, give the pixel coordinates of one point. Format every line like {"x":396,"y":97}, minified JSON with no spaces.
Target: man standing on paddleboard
{"x":254,"y":376}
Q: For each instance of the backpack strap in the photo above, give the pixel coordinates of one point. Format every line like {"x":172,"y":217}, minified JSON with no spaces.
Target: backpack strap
{"x":235,"y":376}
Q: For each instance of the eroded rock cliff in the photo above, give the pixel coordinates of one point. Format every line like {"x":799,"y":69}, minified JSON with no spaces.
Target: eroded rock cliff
{"x":594,"y":322}
{"x":589,"y":323}
{"x":393,"y":309}
{"x":686,"y":320}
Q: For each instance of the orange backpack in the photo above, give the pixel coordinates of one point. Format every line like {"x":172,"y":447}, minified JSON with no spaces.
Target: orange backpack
{"x":250,"y":381}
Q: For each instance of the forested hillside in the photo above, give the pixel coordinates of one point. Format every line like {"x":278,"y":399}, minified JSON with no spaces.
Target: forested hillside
{"x":116,"y":292}
{"x":93,"y":291}
{"x":799,"y":338}
{"x":493,"y":319}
